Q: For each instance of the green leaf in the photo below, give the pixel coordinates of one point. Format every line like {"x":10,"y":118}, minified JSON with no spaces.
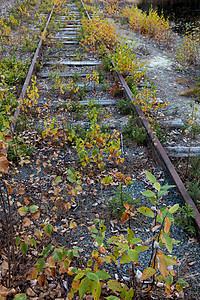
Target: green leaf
{"x":122,"y":246}
{"x":96,"y":221}
{"x":71,"y":171}
{"x":148,"y":272}
{"x":66,"y":263}
{"x":96,"y":290}
{"x":20,"y":297}
{"x":79,"y":276}
{"x":129,"y":294}
{"x":148,"y":194}
{"x":115,"y":285}
{"x":141,"y":248}
{"x":135,"y":241}
{"x":168,"y":242}
{"x":169,"y":279}
{"x":112,"y":298}
{"x":40,"y":264}
{"x":174,"y":208}
{"x":150,"y":177}
{"x":23,"y":211}
{"x":114,"y":259}
{"x":123,"y":293}
{"x":170,"y":260}
{"x":164,"y":189}
{"x":58,"y":256}
{"x":94,"y":230}
{"x":113,"y":240}
{"x":181,"y":281}
{"x":130,"y":234}
{"x":99,"y":240}
{"x":108,"y":259}
{"x":84,"y":286}
{"x":17,"y":241}
{"x":157,"y":186}
{"x":179,"y":287}
{"x":160,"y":278}
{"x":33,"y":243}
{"x":46,"y":250}
{"x":24,"y":247}
{"x":133,"y":254}
{"x":33,"y":208}
{"x":146,"y":211}
{"x":102,"y":275}
{"x":72,"y":176}
{"x":125,"y":259}
{"x":48,"y":228}
{"x":89,"y":263}
{"x":58,"y":179}
{"x":92,"y":276}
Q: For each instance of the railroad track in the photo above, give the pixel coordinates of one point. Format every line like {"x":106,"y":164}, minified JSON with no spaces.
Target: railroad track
{"x":79,"y":154}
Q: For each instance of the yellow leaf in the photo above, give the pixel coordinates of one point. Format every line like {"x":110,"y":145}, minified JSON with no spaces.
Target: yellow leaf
{"x":148,"y":272}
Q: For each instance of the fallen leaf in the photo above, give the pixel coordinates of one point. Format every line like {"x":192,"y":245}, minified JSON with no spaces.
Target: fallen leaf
{"x":4,"y":292}
{"x":27,"y":222}
{"x":4,"y":265}
{"x":4,"y":165}
{"x":42,"y":279}
{"x":36,"y":215}
{"x":192,"y":263}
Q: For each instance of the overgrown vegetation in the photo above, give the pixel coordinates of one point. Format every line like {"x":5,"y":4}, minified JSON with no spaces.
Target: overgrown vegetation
{"x":47,"y":200}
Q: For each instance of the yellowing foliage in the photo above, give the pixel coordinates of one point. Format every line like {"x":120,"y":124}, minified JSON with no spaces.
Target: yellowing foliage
{"x":97,"y":31}
{"x":151,"y":25}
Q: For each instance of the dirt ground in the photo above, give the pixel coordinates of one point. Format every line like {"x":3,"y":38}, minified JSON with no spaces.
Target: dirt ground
{"x":5,"y":4}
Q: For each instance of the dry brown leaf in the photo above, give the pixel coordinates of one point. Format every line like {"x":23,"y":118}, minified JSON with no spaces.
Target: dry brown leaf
{"x":36,"y":215}
{"x":26,"y":200}
{"x":162,"y":266}
{"x":42,"y":279}
{"x":124,"y":217}
{"x":21,"y":190}
{"x":4,"y":265}
{"x":30,"y":292}
{"x":4,"y":292}
{"x":32,"y":274}
{"x":4,"y":164}
{"x":38,"y":234}
{"x":27,"y":222}
{"x":149,"y":240}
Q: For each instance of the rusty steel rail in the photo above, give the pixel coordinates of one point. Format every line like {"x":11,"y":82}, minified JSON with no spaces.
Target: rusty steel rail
{"x":30,"y":73}
{"x":161,"y":153}
{"x":158,"y":148}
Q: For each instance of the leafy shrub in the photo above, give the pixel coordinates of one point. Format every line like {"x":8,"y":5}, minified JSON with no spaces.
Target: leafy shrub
{"x":98,"y":31}
{"x":151,"y":25}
